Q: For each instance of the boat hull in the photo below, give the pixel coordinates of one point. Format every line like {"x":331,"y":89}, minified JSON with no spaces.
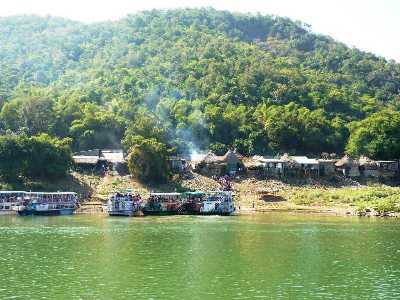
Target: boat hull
{"x":122,"y":213}
{"x":161,"y":213}
{"x":52,"y":212}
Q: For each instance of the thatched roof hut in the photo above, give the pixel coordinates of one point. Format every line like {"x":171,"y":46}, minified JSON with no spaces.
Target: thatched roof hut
{"x":349,"y":166}
{"x":231,"y":158}
{"x":366,"y":162}
{"x":345,"y":161}
{"x":219,"y":165}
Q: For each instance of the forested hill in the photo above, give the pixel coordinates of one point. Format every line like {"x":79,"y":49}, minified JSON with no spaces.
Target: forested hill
{"x":197,"y":79}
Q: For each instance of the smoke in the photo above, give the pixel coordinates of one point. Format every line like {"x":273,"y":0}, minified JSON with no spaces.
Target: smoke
{"x":190,"y":135}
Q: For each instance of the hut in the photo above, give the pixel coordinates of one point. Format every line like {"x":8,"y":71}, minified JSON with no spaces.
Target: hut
{"x":233,"y":161}
{"x":254,"y":167}
{"x":177,"y":164}
{"x":327,"y":166}
{"x":101,"y":160}
{"x":213,"y":165}
{"x":273,"y":167}
{"x":368,"y":167}
{"x":347,"y":166}
{"x":307,"y":166}
{"x":388,"y":168}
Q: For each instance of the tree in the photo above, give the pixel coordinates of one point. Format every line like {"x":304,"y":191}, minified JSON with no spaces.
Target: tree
{"x":148,"y":160}
{"x":33,"y":157}
{"x":377,"y":136}
{"x":48,"y":157}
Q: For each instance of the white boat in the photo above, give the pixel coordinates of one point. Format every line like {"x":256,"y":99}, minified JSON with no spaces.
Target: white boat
{"x":218,"y":203}
{"x":124,"y":204}
{"x":9,"y":200}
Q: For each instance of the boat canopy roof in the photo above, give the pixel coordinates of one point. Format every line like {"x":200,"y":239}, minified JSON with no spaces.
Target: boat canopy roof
{"x":195,"y":193}
{"x":51,"y":193}
{"x":165,"y":194}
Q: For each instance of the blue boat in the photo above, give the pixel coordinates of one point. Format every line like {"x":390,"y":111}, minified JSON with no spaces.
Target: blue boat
{"x":48,"y":204}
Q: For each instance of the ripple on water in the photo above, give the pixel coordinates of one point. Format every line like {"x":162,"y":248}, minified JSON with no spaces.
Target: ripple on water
{"x":267,"y":256}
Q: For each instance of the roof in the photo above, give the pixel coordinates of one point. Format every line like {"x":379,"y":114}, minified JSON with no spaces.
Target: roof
{"x":344,"y":161}
{"x":85,"y":159}
{"x":265,"y":159}
{"x":165,"y":194}
{"x":327,"y":161}
{"x":114,"y":156}
{"x":230,"y":155}
{"x":51,"y":193}
{"x":367,"y":162}
{"x":212,"y":158}
{"x":304,"y":160}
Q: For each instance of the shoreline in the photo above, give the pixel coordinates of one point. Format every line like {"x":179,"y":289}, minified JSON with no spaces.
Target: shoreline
{"x":252,"y":195}
{"x":323,"y":211}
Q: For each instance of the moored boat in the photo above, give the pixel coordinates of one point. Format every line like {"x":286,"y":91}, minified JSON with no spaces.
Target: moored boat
{"x":124,"y":204}
{"x":193,"y":202}
{"x":218,"y":203}
{"x":47,"y":204}
{"x":163,"y":204}
{"x":9,"y":200}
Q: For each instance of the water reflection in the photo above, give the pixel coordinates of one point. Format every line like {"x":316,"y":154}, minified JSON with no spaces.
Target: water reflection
{"x":271,"y":255}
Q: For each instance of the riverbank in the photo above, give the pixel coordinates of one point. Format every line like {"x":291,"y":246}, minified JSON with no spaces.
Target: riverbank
{"x":339,"y":196}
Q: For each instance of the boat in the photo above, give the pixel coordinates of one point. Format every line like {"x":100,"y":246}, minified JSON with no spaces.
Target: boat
{"x":124,"y":204}
{"x":9,"y":200}
{"x":193,"y":202}
{"x":218,"y":203}
{"x":47,"y":204}
{"x":164,"y":204}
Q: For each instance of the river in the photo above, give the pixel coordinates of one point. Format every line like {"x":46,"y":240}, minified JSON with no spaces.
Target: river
{"x":273,"y":256}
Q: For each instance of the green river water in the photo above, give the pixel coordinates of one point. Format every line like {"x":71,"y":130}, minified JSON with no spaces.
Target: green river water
{"x":272,"y":256}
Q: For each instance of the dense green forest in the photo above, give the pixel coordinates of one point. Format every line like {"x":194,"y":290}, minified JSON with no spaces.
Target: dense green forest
{"x":196,"y":79}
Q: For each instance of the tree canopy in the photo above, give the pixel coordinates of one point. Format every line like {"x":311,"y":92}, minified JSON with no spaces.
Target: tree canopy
{"x":148,"y":160}
{"x":194,"y":79}
{"x":33,"y":157}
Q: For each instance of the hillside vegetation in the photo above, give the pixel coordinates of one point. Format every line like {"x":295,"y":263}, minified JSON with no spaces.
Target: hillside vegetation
{"x":196,"y":79}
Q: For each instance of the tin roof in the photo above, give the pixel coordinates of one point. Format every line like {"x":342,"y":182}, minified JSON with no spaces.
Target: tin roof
{"x":85,"y":159}
{"x":304,"y":160}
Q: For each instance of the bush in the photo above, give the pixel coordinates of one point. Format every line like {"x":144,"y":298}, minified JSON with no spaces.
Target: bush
{"x":33,"y":157}
{"x":148,"y":161}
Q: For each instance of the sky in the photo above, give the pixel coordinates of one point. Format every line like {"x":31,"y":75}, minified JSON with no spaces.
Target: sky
{"x":370,"y":25}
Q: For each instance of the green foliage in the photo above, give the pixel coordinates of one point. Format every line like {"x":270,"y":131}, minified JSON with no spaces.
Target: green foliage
{"x":147,"y":160}
{"x":377,"y":136}
{"x":34,"y":157}
{"x":193,"y":78}
{"x":380,"y":198}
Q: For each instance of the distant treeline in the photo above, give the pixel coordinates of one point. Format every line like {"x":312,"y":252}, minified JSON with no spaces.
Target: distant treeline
{"x":196,"y":79}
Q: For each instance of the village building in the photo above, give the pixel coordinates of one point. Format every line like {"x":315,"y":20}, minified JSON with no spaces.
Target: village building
{"x":213,"y":165}
{"x":348,"y":167}
{"x":177,"y":164}
{"x":308,"y":167}
{"x":270,"y":167}
{"x":101,"y":160}
{"x":254,"y":168}
{"x":327,"y":167}
{"x":389,"y":168}
{"x":285,"y":166}
{"x":379,"y":168}
{"x":368,"y":167}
